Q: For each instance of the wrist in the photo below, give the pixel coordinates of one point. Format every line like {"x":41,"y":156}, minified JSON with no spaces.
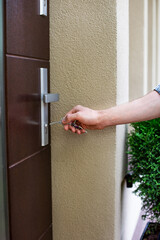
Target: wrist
{"x":102,"y":120}
{"x":106,"y":118}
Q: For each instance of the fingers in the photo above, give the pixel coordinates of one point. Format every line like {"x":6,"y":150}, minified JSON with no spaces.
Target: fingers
{"x":71,"y":116}
{"x":73,"y":129}
{"x":69,"y":127}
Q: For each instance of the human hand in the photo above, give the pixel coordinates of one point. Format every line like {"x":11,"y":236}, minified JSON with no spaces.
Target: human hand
{"x":84,"y":117}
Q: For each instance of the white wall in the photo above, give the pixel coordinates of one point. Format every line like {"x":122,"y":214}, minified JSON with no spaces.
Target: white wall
{"x":143,"y":76}
{"x":122,"y":96}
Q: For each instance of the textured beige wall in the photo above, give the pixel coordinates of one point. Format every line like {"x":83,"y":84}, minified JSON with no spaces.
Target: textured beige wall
{"x":83,"y":45}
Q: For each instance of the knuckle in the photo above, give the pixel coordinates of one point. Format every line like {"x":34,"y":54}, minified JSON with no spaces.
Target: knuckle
{"x":78,"y":107}
{"x":66,"y":117}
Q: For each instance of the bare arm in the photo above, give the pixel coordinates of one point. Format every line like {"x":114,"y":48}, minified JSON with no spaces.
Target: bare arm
{"x":141,"y":109}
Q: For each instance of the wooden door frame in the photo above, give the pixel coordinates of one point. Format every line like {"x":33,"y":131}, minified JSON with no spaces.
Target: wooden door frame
{"x":4,"y":215}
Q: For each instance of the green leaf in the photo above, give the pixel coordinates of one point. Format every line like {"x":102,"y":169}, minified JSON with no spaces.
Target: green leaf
{"x":143,"y":149}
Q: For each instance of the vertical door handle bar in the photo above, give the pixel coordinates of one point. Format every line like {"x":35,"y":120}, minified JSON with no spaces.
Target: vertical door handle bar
{"x":45,"y":99}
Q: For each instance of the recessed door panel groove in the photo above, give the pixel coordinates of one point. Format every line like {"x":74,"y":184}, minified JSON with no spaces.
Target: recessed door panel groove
{"x":47,"y":235}
{"x":27,"y":158}
{"x":25,"y":57}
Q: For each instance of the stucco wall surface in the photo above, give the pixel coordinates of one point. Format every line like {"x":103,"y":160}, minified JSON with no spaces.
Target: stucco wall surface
{"x":83,"y":68}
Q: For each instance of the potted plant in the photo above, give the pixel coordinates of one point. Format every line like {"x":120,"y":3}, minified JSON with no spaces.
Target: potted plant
{"x":144,"y":165}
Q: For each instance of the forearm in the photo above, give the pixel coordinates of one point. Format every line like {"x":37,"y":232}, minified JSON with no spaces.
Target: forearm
{"x":142,"y":109}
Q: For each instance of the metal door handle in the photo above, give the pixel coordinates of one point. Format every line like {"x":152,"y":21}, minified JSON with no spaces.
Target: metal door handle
{"x":51,"y":97}
{"x":45,"y":99}
{"x":43,"y":7}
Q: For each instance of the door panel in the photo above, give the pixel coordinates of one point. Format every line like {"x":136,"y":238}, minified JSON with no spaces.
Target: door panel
{"x":29,"y":164}
{"x":27,"y":31}
{"x":30,"y":197}
{"x":23,"y":104}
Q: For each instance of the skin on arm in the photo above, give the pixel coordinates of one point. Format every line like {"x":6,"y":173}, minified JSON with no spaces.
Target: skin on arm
{"x":141,"y":109}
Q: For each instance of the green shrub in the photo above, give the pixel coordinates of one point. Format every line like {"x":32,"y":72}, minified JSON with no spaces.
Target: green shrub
{"x":144,"y":164}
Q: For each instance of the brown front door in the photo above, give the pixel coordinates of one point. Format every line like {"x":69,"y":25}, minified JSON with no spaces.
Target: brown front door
{"x":29,"y":164}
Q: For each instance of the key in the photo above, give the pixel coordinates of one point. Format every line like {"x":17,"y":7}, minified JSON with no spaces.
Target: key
{"x":58,"y":122}
{"x":73,"y":124}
